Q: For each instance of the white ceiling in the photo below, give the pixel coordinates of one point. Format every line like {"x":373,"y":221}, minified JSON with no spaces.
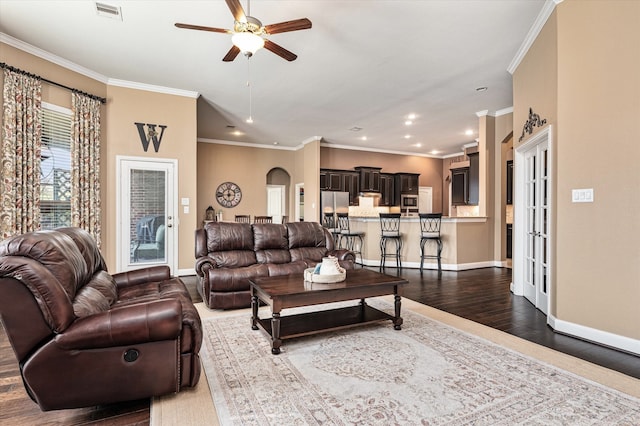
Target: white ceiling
{"x":365,"y":64}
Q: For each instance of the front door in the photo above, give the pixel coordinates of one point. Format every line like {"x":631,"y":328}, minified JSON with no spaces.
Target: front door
{"x":533,"y":220}
{"x":147,"y":212}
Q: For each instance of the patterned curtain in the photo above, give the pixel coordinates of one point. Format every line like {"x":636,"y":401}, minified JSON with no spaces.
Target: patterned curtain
{"x":85,"y":165}
{"x":21,"y":133}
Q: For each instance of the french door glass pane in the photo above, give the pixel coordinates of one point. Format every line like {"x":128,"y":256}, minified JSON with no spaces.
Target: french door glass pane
{"x":148,"y":212}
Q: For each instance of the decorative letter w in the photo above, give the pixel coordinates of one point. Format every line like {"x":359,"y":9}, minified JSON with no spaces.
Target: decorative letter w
{"x":150,"y":135}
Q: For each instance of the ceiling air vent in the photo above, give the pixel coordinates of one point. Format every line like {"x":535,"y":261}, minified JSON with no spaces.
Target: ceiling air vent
{"x":108,"y":11}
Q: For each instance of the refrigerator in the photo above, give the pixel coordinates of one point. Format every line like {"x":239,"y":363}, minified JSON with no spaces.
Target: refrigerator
{"x":334,"y":202}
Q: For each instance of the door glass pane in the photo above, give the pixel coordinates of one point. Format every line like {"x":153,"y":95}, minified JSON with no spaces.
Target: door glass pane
{"x":148,"y":212}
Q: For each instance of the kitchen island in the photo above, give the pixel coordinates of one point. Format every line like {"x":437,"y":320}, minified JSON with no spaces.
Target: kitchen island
{"x":464,"y":242}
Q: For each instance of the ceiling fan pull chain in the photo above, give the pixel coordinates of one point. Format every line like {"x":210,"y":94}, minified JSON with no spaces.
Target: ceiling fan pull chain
{"x":250,"y":119}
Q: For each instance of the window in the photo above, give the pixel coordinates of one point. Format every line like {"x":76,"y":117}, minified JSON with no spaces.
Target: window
{"x":55,"y":167}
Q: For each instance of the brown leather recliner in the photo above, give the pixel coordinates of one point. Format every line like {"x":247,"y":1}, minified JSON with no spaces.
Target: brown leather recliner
{"x":83,"y":337}
{"x":229,"y":254}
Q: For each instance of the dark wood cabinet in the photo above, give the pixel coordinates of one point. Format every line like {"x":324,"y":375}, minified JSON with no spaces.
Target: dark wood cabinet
{"x":407,"y":183}
{"x":510,"y":182}
{"x":387,"y":189}
{"x":369,"y":178}
{"x":331,"y":180}
{"x":351,"y":182}
{"x":509,"y":240}
{"x":459,"y":186}
{"x":474,"y":179}
{"x":465,"y":183}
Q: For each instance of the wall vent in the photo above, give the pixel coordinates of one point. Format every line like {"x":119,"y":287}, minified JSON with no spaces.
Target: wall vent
{"x":108,"y":11}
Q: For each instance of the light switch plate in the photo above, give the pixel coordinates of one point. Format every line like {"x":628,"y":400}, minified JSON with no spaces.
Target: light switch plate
{"x":184,"y":201}
{"x":582,"y":195}
{"x":185,"y":209}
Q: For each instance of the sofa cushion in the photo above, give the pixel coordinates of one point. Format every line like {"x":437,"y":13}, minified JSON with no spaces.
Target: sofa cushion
{"x":97,"y":296}
{"x":271,"y":243}
{"x":230,"y":245}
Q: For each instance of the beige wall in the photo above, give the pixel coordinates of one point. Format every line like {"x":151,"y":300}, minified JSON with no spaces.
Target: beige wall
{"x":124,"y":108}
{"x":582,"y":75}
{"x":120,"y":137}
{"x":248,"y":168}
{"x":430,"y":169}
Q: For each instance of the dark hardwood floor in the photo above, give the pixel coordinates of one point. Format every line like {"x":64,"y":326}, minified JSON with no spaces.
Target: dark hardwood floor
{"x":481,"y":295}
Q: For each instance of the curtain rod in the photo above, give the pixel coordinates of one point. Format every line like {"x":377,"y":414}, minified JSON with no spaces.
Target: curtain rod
{"x":18,"y":70}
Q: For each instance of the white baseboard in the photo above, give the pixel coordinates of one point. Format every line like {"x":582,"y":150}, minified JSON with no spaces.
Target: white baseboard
{"x":430,"y":265}
{"x":623,"y":343}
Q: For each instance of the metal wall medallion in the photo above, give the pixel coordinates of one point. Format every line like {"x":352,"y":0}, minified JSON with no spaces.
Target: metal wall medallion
{"x":533,"y":121}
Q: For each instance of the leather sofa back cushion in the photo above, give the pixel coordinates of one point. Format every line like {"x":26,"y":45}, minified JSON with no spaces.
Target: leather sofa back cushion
{"x":271,"y":244}
{"x":306,"y":234}
{"x":89,"y":250}
{"x":226,"y":236}
{"x":97,"y":296}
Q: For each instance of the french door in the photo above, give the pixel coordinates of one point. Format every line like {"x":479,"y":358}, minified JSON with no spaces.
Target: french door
{"x":147,"y":210}
{"x":532,"y":251}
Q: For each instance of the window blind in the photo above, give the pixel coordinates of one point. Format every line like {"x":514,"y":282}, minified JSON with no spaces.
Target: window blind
{"x":55,"y":167}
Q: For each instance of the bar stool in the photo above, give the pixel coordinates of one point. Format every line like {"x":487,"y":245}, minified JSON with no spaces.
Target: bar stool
{"x":350,"y":236}
{"x":430,"y":231}
{"x":390,"y":231}
{"x":329,"y":222}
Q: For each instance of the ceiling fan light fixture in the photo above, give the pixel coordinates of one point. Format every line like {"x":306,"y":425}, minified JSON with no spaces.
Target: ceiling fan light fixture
{"x":247,"y":42}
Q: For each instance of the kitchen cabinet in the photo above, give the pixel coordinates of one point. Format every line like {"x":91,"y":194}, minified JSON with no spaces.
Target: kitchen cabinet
{"x":407,"y":183}
{"x":331,"y":180}
{"x":387,"y":189}
{"x":369,"y":178}
{"x":465,"y":183}
{"x":474,"y":179}
{"x":510,"y":182}
{"x":459,"y":186}
{"x":351,"y":182}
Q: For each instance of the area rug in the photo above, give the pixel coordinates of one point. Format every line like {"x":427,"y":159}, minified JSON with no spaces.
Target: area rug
{"x":427,"y":373}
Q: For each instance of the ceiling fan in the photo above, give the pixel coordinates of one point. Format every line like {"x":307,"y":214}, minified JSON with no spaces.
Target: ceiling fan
{"x":247,"y":33}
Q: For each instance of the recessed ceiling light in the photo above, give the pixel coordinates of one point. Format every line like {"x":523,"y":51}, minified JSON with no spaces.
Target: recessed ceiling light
{"x":481,"y":89}
{"x":276,"y":143}
{"x":435,"y":151}
{"x":364,"y":138}
{"x":408,"y":123}
{"x":407,"y":136}
{"x":468,"y":132}
{"x":419,"y":145}
{"x":237,"y":133}
{"x":411,"y":116}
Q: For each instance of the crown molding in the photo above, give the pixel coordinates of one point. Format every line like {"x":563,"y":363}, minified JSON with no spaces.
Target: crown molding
{"x":384,"y":151}
{"x":152,"y":88}
{"x":504,"y":111}
{"x":72,"y":66}
{"x":535,"y":29}
{"x":50,"y":57}
{"x":247,"y":144}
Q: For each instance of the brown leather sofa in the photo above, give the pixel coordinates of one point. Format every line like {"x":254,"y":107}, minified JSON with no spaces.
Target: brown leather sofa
{"x":83,"y":337}
{"x":229,"y":254}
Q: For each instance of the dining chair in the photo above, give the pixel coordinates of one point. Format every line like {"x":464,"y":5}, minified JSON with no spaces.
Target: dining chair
{"x":243,"y":218}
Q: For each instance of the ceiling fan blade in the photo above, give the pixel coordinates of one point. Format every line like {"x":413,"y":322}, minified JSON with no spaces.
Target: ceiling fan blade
{"x":236,"y":10}
{"x":279,"y":50}
{"x":200,"y":28}
{"x":283,"y":27}
{"x":231,"y":54}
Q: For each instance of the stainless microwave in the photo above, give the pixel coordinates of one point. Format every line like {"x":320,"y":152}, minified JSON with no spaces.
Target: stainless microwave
{"x":408,"y":201}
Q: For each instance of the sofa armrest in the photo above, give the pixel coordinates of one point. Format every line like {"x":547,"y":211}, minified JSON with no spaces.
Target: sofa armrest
{"x":203,"y":264}
{"x":343,"y":255}
{"x":133,"y":324}
{"x":139,"y":276}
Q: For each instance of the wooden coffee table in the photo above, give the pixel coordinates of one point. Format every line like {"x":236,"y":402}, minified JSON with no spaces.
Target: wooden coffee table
{"x":290,"y":291}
